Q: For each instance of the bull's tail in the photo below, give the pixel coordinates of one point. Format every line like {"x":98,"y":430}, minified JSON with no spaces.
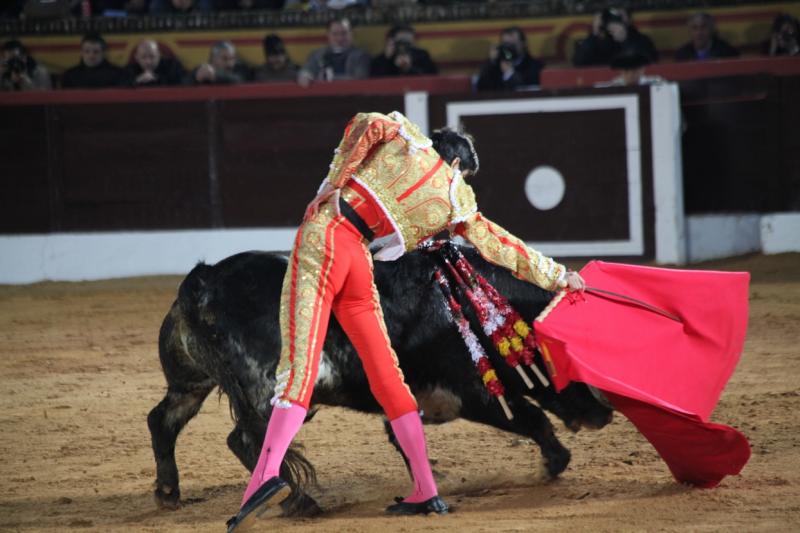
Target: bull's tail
{"x":194,"y":289}
{"x":300,"y":474}
{"x":195,"y":296}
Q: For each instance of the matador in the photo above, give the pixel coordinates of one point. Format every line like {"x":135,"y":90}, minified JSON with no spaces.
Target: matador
{"x":391,"y":186}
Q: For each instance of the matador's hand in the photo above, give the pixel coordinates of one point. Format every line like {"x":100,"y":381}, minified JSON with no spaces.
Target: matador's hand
{"x":575,"y":281}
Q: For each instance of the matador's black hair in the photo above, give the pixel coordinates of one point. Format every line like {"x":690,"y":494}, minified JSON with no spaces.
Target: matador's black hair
{"x":450,"y":143}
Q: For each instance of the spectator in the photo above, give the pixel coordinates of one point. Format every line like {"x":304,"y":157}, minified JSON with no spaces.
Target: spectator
{"x":277,"y":66}
{"x":149,"y":68}
{"x":340,"y":60}
{"x":180,"y":7}
{"x":94,"y":71}
{"x":785,"y":37}
{"x":19,"y":71}
{"x":400,"y":56}
{"x":705,"y":43}
{"x":223,"y":66}
{"x":510,"y":64}
{"x":612,"y":34}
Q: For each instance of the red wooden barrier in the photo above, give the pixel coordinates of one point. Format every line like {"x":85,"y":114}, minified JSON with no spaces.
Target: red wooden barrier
{"x":553,"y":78}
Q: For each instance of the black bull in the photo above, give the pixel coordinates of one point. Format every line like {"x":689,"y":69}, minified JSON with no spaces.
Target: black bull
{"x":223,"y":331}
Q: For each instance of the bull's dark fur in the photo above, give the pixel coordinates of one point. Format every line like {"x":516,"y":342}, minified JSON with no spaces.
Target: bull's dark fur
{"x":223,"y":330}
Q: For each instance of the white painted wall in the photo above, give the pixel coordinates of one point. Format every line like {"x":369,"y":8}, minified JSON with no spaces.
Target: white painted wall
{"x":718,"y":236}
{"x":87,"y":256}
{"x":780,"y":232}
{"x":670,"y":226}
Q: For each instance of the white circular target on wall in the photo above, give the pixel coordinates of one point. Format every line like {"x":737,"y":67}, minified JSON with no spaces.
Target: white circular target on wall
{"x":544,"y":187}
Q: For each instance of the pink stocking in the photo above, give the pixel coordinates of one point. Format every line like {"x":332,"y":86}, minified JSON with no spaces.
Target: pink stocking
{"x":283,"y":426}
{"x":408,"y":430}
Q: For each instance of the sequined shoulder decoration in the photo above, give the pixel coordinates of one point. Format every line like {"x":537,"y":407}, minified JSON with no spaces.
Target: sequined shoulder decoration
{"x":462,"y":198}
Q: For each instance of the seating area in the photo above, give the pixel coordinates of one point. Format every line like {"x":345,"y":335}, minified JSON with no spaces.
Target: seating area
{"x":457,"y":38}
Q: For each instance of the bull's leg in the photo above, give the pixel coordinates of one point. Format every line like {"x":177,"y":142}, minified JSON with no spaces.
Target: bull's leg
{"x":165,"y":421}
{"x":245,"y":442}
{"x":531,"y":422}
{"x":187,"y":387}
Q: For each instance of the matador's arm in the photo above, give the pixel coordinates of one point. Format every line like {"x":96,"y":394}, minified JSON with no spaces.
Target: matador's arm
{"x":500,"y":247}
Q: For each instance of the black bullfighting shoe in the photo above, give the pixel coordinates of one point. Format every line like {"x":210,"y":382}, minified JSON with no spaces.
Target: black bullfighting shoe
{"x":434,"y":505}
{"x":267,"y":498}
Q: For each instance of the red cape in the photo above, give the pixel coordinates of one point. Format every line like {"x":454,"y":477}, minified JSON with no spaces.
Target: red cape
{"x":665,"y":375}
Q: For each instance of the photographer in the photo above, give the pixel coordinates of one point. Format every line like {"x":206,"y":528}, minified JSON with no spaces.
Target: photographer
{"x":510,"y":65}
{"x":400,"y":56}
{"x":20,"y":72}
{"x":785,"y":37}
{"x":612,"y":35}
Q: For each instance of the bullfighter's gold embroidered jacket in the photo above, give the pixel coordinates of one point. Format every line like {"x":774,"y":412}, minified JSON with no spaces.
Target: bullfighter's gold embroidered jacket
{"x":421,"y":195}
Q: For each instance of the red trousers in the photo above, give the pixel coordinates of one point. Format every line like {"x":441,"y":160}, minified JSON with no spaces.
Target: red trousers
{"x":330,"y":269}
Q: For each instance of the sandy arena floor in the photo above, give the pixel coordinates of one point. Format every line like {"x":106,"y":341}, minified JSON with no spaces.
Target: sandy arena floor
{"x":79,"y":372}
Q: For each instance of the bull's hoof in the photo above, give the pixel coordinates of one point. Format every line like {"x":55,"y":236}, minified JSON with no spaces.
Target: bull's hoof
{"x":167,"y":497}
{"x":556,"y":462}
{"x":300,"y":505}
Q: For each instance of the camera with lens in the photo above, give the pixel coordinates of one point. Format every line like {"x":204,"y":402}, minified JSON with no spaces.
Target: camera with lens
{"x":15,"y":65}
{"x":506,"y":52}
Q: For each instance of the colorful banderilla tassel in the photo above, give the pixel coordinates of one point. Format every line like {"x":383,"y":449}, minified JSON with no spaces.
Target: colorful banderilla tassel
{"x":482,"y":364}
{"x":501,"y":322}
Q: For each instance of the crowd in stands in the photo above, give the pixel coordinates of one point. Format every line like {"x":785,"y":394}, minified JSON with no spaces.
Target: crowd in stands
{"x":613,"y":40}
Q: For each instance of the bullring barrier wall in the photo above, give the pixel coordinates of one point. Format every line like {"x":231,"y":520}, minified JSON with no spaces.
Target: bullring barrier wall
{"x":132,"y":182}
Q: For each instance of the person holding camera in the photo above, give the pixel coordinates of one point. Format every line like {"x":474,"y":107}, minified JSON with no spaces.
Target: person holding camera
{"x":340,"y":60}
{"x":510,"y":64}
{"x":20,"y":72}
{"x":401,"y":57}
{"x":785,"y":37}
{"x":612,"y":35}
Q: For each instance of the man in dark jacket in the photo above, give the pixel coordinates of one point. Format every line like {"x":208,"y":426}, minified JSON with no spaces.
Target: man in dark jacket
{"x":149,"y":68}
{"x":401,"y":56}
{"x":510,"y":64}
{"x":612,"y":35}
{"x":705,"y":43}
{"x":94,"y":70}
{"x":277,"y":66}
